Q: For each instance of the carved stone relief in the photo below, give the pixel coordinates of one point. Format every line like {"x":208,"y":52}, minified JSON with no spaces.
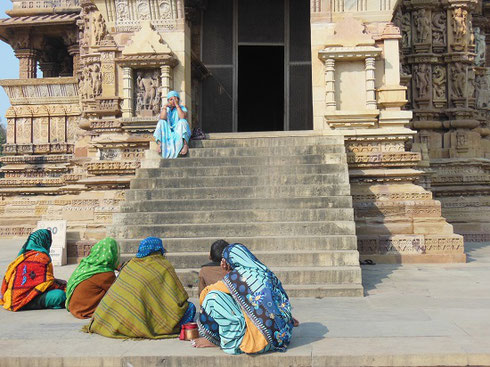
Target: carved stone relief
{"x":458,"y":81}
{"x":99,"y":28}
{"x":148,"y":94}
{"x":439,"y":82}
{"x":406,"y":29}
{"x":421,"y":20}
{"x":421,"y":75}
{"x":480,"y":47}
{"x":122,"y":9}
{"x":459,"y":24}
{"x":439,"y":31}
{"x":482,"y":92}
{"x":90,"y":82}
{"x":143,"y":9}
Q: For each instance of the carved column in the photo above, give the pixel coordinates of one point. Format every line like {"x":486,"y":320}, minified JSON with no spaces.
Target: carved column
{"x":127,"y":110}
{"x":330,"y":85}
{"x":27,"y":63}
{"x":166,"y":80}
{"x":74,"y":51}
{"x":370,"y":84}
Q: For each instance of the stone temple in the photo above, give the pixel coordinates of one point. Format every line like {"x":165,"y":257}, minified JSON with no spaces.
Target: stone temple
{"x":336,"y":129}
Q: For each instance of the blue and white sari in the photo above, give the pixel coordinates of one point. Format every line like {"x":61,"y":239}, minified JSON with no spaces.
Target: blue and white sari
{"x":172,"y":132}
{"x":254,"y":291}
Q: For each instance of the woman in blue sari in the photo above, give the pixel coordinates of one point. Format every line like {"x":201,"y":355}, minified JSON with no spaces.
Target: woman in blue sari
{"x":172,"y":133}
{"x":248,"y":311}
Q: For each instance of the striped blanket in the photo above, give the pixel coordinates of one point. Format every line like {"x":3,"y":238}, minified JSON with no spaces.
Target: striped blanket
{"x":146,"y":301}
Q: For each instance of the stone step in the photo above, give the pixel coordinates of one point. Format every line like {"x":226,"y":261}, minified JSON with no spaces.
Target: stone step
{"x":198,"y":205}
{"x":221,"y":230}
{"x":311,"y":290}
{"x":239,"y":192}
{"x":292,"y":275}
{"x":217,"y":181}
{"x":256,"y":243}
{"x":205,"y":171}
{"x":235,"y":216}
{"x":271,"y":258}
{"x":286,"y":150}
{"x":267,"y":141}
{"x":338,"y":158}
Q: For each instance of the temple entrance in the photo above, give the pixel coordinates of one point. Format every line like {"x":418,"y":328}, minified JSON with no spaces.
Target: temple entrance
{"x":257,"y":60}
{"x":260,"y":88}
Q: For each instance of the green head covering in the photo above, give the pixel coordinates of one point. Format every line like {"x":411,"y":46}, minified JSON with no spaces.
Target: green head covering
{"x":103,"y":258}
{"x":38,"y":241}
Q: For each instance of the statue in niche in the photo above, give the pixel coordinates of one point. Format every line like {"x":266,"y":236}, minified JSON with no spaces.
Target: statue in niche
{"x":406,"y":29}
{"x":422,"y":80}
{"x":482,"y":93}
{"x":405,"y":70}
{"x":471,"y":83}
{"x":96,"y":76}
{"x":459,"y":24}
{"x":148,"y":93}
{"x":458,"y":77}
{"x":122,"y":10}
{"x":439,"y":82}
{"x":439,"y":20}
{"x":480,"y":47}
{"x":99,"y":29}
{"x":422,"y":25}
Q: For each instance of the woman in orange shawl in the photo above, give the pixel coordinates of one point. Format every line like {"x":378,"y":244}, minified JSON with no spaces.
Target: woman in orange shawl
{"x":29,"y":282}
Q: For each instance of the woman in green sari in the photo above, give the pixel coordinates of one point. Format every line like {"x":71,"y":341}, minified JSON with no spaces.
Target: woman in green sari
{"x":92,"y":279}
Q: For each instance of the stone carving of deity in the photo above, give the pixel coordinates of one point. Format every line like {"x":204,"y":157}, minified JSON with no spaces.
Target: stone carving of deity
{"x":471,"y":84}
{"x":422,"y":79}
{"x":406,"y":29}
{"x":422,"y":25}
{"x":459,"y":24}
{"x":122,"y":10}
{"x":482,"y":93}
{"x":99,"y":29}
{"x":480,"y":47}
{"x":143,"y":10}
{"x":148,"y":93}
{"x":458,"y":79}
{"x":165,"y":10}
{"x":439,"y":82}
{"x":439,"y":20}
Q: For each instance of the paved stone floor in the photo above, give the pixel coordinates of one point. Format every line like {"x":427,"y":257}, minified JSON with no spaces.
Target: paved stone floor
{"x":411,"y":315}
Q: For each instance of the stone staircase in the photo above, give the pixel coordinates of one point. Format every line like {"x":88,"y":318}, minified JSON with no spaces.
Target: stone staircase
{"x":287,"y":198}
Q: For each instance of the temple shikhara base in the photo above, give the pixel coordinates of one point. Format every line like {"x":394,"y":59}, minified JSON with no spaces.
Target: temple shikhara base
{"x":386,"y":104}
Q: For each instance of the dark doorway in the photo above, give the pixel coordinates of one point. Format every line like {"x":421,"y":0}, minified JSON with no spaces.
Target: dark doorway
{"x":260,"y":88}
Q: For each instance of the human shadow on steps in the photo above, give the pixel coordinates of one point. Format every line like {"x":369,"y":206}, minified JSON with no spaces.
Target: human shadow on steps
{"x":307,"y":333}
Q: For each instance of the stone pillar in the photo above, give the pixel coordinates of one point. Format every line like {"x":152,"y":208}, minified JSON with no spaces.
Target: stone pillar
{"x":49,"y":69}
{"x":127,"y":110}
{"x":330,"y":85}
{"x":27,"y":63}
{"x":74,"y":51}
{"x":370,"y":84}
{"x":166,"y":80}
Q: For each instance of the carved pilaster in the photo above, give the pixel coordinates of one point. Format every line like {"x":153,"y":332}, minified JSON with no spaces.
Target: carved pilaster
{"x":166,"y":81}
{"x":127,"y":110}
{"x":27,"y":63}
{"x":330,"y":85}
{"x":370,"y":84}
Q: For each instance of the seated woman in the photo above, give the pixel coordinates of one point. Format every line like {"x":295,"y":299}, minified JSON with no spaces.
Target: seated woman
{"x":146,"y":301}
{"x":248,"y":311}
{"x":29,"y":283}
{"x":172,"y":133}
{"x":92,"y":279}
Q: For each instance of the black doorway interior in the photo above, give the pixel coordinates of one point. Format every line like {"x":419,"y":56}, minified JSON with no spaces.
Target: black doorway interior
{"x":260,"y":88}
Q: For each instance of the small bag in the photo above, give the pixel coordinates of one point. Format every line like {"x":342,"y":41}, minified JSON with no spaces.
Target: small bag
{"x":198,"y":134}
{"x":189,"y":331}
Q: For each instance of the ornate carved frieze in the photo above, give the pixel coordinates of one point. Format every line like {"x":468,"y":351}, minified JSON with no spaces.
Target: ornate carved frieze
{"x":112,"y":167}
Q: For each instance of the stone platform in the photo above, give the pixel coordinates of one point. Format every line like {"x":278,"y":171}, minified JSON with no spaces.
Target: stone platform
{"x":411,"y":315}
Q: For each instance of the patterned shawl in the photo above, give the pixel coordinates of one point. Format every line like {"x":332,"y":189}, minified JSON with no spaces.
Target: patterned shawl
{"x":103,"y":258}
{"x":30,"y":274}
{"x":261,"y":296}
{"x":150,"y":245}
{"x":146,"y":301}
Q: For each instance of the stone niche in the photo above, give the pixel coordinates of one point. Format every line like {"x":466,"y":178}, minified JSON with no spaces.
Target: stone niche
{"x":147,"y":92}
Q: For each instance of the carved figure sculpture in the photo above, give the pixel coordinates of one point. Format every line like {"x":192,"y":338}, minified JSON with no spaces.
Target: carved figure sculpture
{"x":148,"y":97}
{"x":459,"y":25}
{"x":439,"y":82}
{"x":458,"y":81}
{"x":422,"y":25}
{"x":471,"y":84}
{"x":422,"y":79}
{"x":100,"y":30}
{"x":439,"y":21}
{"x":482,"y":93}
{"x":480,"y":47}
{"x":406,"y":31}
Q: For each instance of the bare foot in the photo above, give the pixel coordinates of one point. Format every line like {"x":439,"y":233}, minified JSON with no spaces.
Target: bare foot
{"x":295,"y":322}
{"x":185,"y":148}
{"x":159,"y":149}
{"x":202,"y":343}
